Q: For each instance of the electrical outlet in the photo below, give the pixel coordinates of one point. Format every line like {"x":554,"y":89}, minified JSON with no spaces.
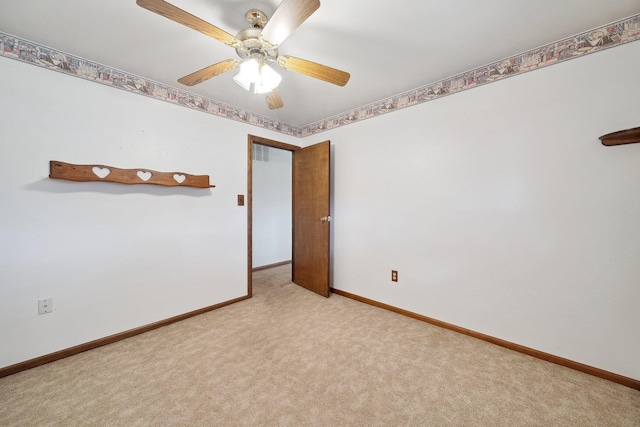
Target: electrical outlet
{"x":45,"y":306}
{"x":394,"y":275}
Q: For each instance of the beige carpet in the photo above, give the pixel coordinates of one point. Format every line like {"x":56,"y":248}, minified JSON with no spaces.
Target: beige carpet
{"x":288,"y":357}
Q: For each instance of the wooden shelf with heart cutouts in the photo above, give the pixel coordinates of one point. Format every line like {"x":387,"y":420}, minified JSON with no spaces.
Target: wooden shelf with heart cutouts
{"x":84,"y":173}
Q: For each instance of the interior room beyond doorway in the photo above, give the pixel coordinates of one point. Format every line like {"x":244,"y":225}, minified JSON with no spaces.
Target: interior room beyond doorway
{"x":272,"y":206}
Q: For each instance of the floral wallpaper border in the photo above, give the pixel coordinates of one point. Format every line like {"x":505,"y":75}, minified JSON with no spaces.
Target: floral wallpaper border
{"x":611,"y":35}
{"x":33,"y":53}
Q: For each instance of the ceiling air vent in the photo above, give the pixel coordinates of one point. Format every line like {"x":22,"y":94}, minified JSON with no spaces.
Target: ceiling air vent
{"x":260,"y":153}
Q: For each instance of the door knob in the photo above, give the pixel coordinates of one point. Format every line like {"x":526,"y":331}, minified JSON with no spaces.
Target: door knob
{"x":325,"y":219}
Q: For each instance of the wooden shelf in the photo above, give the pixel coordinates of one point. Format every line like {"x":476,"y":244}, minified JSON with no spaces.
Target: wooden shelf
{"x":84,"y":173}
{"x":628,"y":136}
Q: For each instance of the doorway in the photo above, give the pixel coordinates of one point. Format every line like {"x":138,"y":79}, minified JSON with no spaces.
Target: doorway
{"x":271,"y":204}
{"x":310,"y":213}
{"x":253,"y":143}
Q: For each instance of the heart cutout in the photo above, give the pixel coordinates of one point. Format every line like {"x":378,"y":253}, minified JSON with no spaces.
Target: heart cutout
{"x":101,"y":172}
{"x":144,"y":175}
{"x":179,"y":178}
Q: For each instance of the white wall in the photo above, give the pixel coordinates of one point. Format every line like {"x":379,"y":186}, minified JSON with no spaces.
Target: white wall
{"x":113,"y":257}
{"x":498,"y":206}
{"x":271,"y":233}
{"x":502,"y":211}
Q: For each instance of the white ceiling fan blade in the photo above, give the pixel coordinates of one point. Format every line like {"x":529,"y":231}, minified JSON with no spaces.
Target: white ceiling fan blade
{"x":287,"y":17}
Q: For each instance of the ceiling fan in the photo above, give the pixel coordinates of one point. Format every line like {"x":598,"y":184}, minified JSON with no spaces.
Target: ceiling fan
{"x":256,"y":46}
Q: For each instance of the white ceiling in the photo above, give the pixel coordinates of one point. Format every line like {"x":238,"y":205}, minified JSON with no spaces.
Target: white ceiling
{"x":388,"y":47}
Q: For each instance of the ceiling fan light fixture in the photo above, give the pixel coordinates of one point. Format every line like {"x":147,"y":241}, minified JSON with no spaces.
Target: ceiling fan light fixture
{"x":263,"y":78}
{"x":268,"y":80}
{"x":249,"y":73}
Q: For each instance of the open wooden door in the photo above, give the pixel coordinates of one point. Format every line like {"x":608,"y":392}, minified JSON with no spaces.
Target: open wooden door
{"x":311,"y":220}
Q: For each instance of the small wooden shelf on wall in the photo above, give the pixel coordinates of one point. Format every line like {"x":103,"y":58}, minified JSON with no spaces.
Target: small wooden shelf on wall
{"x":84,"y":173}
{"x":628,"y":136}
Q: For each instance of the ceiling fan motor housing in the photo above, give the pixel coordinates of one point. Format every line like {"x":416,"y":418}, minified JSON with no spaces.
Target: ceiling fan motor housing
{"x":252,"y":46}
